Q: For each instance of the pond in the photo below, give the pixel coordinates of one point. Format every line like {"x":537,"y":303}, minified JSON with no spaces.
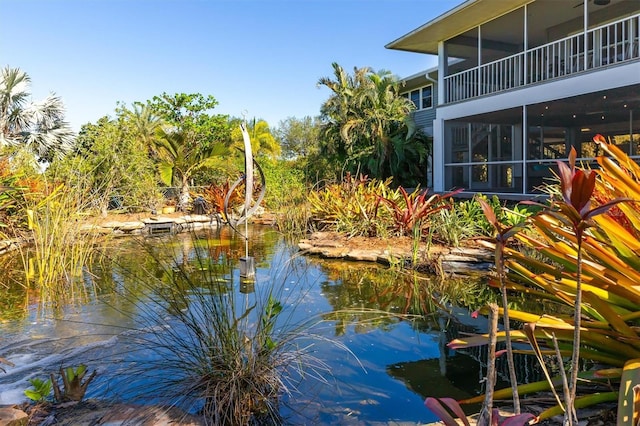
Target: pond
{"x":374,"y":337}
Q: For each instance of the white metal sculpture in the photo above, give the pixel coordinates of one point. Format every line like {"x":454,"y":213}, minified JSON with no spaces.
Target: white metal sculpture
{"x":247,"y":266}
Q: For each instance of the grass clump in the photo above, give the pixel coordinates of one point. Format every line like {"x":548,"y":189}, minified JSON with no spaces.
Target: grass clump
{"x":225,"y":349}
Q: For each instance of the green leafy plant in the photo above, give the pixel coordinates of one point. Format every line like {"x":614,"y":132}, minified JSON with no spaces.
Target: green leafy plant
{"x":39,"y":391}
{"x":73,"y":388}
{"x":415,"y":208}
{"x":587,"y":254}
{"x":353,"y":206}
{"x":453,"y":225}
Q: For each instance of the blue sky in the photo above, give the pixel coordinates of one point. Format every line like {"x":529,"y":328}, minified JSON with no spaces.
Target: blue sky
{"x":262,"y":58}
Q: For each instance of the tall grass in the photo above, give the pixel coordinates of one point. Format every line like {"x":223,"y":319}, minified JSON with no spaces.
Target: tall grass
{"x":227,"y":356}
{"x":58,"y":249}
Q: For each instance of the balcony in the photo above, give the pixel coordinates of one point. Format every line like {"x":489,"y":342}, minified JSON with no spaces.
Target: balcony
{"x":598,"y":48}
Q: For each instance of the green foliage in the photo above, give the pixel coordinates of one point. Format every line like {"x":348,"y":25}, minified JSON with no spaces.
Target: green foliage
{"x":465,"y":219}
{"x":272,"y":309}
{"x":353,"y":206}
{"x":39,"y":126}
{"x":285,"y":184}
{"x":587,"y":244}
{"x":40,"y":390}
{"x":367,"y":126}
{"x":192,"y":140}
{"x":299,"y":138}
{"x":263,"y":142}
{"x":192,"y":114}
{"x":73,"y":388}
{"x":112,"y":159}
{"x":457,"y":223}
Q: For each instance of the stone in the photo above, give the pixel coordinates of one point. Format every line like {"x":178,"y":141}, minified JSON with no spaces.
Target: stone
{"x":333,"y":252}
{"x":362,"y":255}
{"x":10,"y":416}
{"x":304,"y":245}
{"x":130,"y":226}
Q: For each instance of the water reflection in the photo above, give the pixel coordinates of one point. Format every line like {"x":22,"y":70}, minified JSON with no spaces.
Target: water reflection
{"x":398,"y":356}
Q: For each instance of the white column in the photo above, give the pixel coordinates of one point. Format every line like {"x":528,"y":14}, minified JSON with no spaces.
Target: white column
{"x":442,"y":72}
{"x":586,"y":28}
{"x":438,"y":155}
{"x":525,"y":61}
{"x":525,"y":140}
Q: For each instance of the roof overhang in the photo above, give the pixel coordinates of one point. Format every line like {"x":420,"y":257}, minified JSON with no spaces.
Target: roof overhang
{"x":458,"y":20}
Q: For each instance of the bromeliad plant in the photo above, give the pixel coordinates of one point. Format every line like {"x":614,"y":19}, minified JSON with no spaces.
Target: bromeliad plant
{"x":353,"y":206}
{"x":591,"y":266}
{"x":359,"y":206}
{"x":415,"y":209}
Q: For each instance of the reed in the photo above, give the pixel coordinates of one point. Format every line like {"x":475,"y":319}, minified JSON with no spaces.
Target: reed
{"x":59,"y":250}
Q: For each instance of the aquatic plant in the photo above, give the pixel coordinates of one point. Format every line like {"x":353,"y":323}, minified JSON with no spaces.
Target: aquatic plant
{"x":59,"y":248}
{"x":73,"y":388}
{"x":40,"y":389}
{"x":227,"y":356}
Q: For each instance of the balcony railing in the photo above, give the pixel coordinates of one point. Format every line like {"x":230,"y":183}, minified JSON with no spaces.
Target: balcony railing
{"x":604,"y":45}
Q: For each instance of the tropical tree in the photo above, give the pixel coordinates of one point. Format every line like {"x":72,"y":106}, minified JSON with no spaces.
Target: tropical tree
{"x":367,"y":124}
{"x":145,"y":122}
{"x":298,"y":136}
{"x":38,"y":125}
{"x":111,"y":160}
{"x":192,"y":139}
{"x":263,"y":142}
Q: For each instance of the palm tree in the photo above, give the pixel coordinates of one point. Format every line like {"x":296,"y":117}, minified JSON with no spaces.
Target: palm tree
{"x":383,"y":116}
{"x":262,"y":140}
{"x":181,"y":154}
{"x":367,"y":122}
{"x":40,"y":126}
{"x":340,"y":112}
{"x":145,"y":122}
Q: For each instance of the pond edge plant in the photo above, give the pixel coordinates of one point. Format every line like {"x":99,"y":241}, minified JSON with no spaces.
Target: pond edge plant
{"x":228,"y":357}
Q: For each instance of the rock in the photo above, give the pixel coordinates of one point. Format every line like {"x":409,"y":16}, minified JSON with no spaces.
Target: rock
{"x":130,"y":226}
{"x":333,"y":252}
{"x":197,"y":218}
{"x":305,"y":245}
{"x":10,"y":416}
{"x":362,"y":255}
{"x":95,"y":412}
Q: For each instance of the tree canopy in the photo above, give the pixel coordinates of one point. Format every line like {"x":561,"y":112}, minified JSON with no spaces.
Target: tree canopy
{"x":263,"y":142}
{"x":38,"y":125}
{"x":368,"y":127}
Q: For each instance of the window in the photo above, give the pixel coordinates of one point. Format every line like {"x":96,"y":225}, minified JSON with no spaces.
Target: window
{"x":427,"y":101}
{"x":422,"y":98}
{"x":415,"y":98}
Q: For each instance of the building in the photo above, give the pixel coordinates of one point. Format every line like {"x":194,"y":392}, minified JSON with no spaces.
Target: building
{"x":519,"y":82}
